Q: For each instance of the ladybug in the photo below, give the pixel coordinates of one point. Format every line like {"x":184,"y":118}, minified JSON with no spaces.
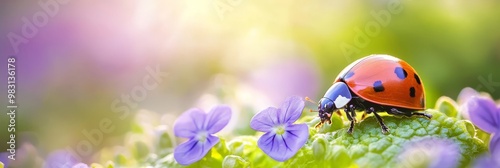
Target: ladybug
{"x":373,"y":84}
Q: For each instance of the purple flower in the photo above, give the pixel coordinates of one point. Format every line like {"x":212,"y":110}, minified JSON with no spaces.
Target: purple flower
{"x":282,"y":138}
{"x":199,"y":127}
{"x":465,"y":95}
{"x":430,"y":152}
{"x":484,"y":113}
{"x":80,"y":165}
{"x":462,"y":99}
{"x":492,"y":160}
{"x":4,"y":158}
{"x":60,"y":158}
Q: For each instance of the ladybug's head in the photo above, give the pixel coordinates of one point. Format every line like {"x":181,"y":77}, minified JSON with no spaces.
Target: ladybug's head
{"x":325,"y":109}
{"x":335,"y":98}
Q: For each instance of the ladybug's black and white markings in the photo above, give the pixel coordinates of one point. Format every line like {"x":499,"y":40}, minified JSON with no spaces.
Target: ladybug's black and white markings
{"x":352,"y":91}
{"x":417,"y":78}
{"x":378,"y":87}
{"x":400,"y":72}
{"x":412,"y":92}
{"x":349,"y":75}
{"x":341,"y":101}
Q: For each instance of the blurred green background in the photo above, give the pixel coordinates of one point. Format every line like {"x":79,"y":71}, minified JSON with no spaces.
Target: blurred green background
{"x":79,"y":66}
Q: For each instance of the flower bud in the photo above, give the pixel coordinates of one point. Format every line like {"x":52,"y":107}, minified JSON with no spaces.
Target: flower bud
{"x":319,"y":147}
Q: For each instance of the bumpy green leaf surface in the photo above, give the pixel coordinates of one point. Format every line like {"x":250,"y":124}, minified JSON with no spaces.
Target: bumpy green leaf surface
{"x":331,"y":146}
{"x":368,"y":147}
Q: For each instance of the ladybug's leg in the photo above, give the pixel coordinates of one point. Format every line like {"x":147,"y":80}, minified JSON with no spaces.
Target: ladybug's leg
{"x":385,"y":130}
{"x":396,"y":112}
{"x":353,"y":113}
{"x":428,"y":116}
{"x":348,"y":111}
{"x":409,"y":114}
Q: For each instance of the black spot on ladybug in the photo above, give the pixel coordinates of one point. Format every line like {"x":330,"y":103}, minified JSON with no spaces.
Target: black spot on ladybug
{"x":412,"y":92}
{"x":400,"y":72}
{"x":348,"y":75}
{"x":417,"y":78}
{"x":377,"y":86}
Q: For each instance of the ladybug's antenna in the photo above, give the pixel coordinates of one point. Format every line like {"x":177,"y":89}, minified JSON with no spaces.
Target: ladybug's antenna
{"x":309,"y":100}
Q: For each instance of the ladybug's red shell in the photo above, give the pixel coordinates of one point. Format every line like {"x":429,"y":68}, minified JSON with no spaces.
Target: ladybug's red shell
{"x":385,"y":80}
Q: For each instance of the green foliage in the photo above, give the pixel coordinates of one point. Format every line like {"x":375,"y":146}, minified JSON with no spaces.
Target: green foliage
{"x":365,"y":147}
{"x":368,"y":147}
{"x":447,"y":106}
{"x":164,"y":144}
{"x":330,"y":145}
{"x":234,"y":161}
{"x":140,"y":150}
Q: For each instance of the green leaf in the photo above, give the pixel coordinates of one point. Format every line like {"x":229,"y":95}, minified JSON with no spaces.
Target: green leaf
{"x":110,"y":164}
{"x":136,"y":128}
{"x":164,"y":141}
{"x":341,"y":156}
{"x":368,"y":147}
{"x":164,"y":144}
{"x":167,"y":161}
{"x":242,"y":145}
{"x":448,"y":106}
{"x":319,"y":147}
{"x":231,"y":161}
{"x":120,"y":159}
{"x":140,"y":150}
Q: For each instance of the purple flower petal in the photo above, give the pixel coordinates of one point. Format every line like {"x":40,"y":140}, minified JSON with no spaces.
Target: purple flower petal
{"x":283,"y":147}
{"x":492,"y":160}
{"x":485,"y":162}
{"x":466,"y":94}
{"x":484,"y":114}
{"x":265,"y":120}
{"x":296,"y":136}
{"x":4,"y":158}
{"x":193,"y":150}
{"x":189,"y":123}
{"x":80,"y":165}
{"x":60,"y":158}
{"x":291,"y":110}
{"x":495,"y":147}
{"x":217,"y":119}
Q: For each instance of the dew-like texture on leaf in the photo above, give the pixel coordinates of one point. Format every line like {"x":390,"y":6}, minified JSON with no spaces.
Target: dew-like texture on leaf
{"x":368,"y":147}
